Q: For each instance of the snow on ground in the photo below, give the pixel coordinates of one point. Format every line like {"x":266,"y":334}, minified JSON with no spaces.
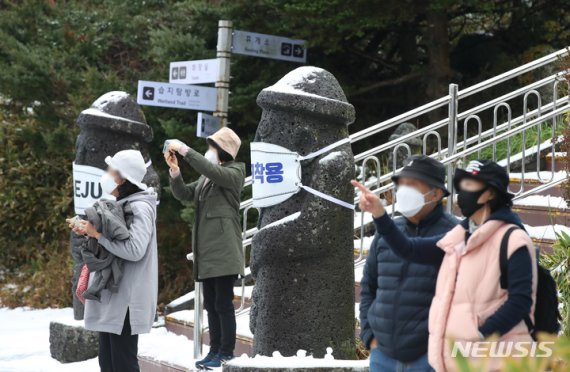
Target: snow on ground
{"x":542,"y":201}
{"x":24,"y":343}
{"x":166,"y":346}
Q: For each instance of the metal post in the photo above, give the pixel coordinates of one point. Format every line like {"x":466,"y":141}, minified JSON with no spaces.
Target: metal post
{"x":223,"y":54}
{"x":451,"y":141}
{"x":197,"y":320}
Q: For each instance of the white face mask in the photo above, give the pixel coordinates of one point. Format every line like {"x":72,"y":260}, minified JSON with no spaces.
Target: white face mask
{"x":409,"y":201}
{"x":108,"y":184}
{"x":212,"y":157}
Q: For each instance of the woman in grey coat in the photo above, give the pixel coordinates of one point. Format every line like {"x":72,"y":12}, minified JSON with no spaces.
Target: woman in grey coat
{"x":120,"y":317}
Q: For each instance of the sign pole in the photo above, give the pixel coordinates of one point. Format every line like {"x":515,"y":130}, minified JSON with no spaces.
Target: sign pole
{"x":197,"y":320}
{"x":223,"y":54}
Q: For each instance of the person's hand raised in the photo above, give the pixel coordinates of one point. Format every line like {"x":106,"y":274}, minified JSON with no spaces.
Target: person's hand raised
{"x":369,"y":202}
{"x":171,"y":160}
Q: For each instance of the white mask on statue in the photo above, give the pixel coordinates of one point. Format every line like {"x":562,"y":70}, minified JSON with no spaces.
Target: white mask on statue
{"x":409,"y":201}
{"x":108,"y":184}
{"x":212,"y":157}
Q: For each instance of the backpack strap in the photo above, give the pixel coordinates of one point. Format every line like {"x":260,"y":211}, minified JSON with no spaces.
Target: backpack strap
{"x":503,"y":256}
{"x":503,"y":262}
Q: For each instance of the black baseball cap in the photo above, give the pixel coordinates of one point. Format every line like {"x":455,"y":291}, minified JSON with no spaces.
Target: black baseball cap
{"x":488,"y":172}
{"x":425,"y":169}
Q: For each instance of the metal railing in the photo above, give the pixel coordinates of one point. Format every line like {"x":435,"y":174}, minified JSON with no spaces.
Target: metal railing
{"x":457,"y":152}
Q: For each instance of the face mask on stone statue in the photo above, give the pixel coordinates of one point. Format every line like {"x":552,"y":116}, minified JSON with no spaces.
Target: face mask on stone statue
{"x":276,"y":174}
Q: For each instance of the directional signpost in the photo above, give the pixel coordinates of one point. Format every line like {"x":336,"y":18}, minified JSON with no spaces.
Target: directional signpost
{"x":190,"y":97}
{"x":207,"y":125}
{"x":269,"y":46}
{"x":194,"y":72}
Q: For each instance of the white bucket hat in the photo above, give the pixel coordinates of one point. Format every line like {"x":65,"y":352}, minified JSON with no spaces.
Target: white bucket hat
{"x":130,"y":164}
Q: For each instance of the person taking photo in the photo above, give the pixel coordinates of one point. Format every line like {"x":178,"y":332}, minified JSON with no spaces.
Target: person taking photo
{"x":216,"y":231}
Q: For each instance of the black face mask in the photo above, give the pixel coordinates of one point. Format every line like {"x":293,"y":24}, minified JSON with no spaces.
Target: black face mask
{"x":468,"y":201}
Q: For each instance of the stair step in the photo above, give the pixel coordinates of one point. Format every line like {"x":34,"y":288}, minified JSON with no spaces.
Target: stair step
{"x":147,"y":364}
{"x":559,"y":159}
{"x":539,"y":210}
{"x":182,"y":323}
{"x":531,"y":181}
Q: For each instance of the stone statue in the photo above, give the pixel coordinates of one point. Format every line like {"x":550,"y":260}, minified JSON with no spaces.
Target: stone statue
{"x":114,"y":122}
{"x":302,"y":256}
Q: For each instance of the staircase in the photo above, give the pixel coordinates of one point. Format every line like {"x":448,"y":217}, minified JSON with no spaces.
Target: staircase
{"x":472,"y":126}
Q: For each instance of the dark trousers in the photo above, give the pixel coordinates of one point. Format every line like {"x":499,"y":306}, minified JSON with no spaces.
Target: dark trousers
{"x":218,"y":301}
{"x":118,"y":353}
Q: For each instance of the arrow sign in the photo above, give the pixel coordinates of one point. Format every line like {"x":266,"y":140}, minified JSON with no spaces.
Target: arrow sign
{"x":269,"y":46}
{"x":194,"y":72}
{"x":190,"y":97}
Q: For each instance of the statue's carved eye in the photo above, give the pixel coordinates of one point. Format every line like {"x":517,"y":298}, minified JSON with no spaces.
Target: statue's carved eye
{"x":92,"y":144}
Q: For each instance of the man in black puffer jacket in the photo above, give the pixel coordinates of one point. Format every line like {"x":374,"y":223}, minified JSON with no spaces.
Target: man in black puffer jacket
{"x":396,"y":294}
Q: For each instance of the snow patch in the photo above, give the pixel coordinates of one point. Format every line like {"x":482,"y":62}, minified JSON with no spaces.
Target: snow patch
{"x":331,"y":157}
{"x":166,"y":346}
{"x":94,"y":112}
{"x":365,"y":245}
{"x":533,"y":175}
{"x":301,"y":360}
{"x":290,"y":83}
{"x":546,"y":232}
{"x":109,"y":97}
{"x":542,"y":201}
{"x":289,"y":218}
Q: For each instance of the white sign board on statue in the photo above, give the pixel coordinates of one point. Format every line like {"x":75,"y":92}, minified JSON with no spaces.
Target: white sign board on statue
{"x":269,"y":46}
{"x":86,"y":187}
{"x":207,"y":125}
{"x":194,"y":72}
{"x":189,"y":97}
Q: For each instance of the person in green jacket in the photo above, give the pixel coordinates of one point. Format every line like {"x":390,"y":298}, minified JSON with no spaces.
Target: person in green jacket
{"x":216,"y":231}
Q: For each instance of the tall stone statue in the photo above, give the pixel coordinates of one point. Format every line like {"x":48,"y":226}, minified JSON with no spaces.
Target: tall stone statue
{"x":114,"y":122}
{"x":302,"y":256}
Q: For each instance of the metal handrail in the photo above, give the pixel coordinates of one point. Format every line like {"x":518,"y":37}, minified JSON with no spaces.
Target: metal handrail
{"x":441,"y":102}
{"x":506,"y":134}
{"x":470,"y":140}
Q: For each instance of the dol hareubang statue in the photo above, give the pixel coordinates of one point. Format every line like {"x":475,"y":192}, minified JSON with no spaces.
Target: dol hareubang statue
{"x":302,"y":256}
{"x":114,"y":122}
